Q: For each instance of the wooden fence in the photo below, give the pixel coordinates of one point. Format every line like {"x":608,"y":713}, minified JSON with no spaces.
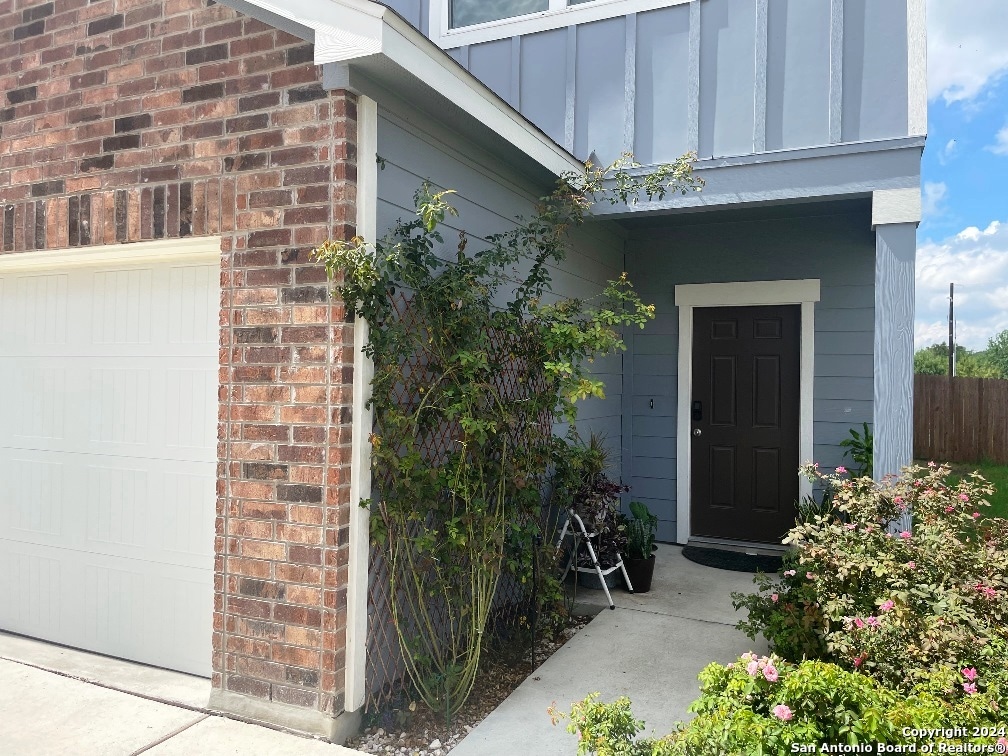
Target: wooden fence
{"x":960,"y":420}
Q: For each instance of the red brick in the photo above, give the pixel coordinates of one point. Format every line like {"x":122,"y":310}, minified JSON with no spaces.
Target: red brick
{"x":262,"y":550}
{"x":298,"y":615}
{"x":248,"y":686}
{"x":275,"y":330}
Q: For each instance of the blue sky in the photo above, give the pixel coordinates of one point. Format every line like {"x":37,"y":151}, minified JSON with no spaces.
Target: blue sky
{"x":963,"y":236}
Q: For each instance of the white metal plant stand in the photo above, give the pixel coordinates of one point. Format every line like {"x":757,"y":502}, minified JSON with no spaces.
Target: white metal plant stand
{"x":576,"y":527}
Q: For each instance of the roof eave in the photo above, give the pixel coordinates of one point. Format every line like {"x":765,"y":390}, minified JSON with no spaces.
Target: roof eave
{"x":345,"y":31}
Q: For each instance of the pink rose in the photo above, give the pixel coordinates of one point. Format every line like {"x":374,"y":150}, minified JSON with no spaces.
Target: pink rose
{"x":841,"y":469}
{"x":912,"y":565}
{"x":752,"y":668}
{"x":949,"y":509}
{"x":963,"y":497}
{"x":905,"y":534}
{"x":970,"y":673}
{"x":970,"y":688}
{"x":898,"y":500}
{"x":770,"y":673}
{"x":976,"y":515}
{"x":782,"y":712}
{"x":809,"y":576}
{"x":789,"y":573}
{"x":872,"y":621}
{"x":774,"y":597}
{"x":859,"y":623}
{"x":887,"y":605}
{"x":858,"y":661}
{"x":986,"y":590}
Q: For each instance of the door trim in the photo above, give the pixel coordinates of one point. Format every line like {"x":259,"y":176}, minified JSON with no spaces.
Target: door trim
{"x":804,"y":292}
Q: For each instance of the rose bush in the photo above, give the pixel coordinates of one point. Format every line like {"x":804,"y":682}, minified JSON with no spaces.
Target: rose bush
{"x":895,"y":605}
{"x":766,"y":705}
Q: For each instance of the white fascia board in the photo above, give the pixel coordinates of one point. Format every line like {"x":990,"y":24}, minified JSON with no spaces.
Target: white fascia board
{"x":896,"y":206}
{"x":343,"y":30}
{"x":347,"y":30}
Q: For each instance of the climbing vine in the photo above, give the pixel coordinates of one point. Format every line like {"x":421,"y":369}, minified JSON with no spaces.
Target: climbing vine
{"x":459,"y":453}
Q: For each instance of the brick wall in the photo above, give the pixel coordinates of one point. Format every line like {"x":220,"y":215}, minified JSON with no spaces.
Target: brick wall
{"x":128,"y":120}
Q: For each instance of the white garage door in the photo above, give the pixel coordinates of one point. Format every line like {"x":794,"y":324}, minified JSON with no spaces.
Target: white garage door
{"x":108,"y":410}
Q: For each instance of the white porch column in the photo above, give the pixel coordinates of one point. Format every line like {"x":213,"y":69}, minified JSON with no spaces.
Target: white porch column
{"x":360,"y":459}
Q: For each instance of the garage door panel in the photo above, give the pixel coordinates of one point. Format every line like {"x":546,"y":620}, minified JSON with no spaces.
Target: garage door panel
{"x":33,"y":505}
{"x":122,"y":607}
{"x":157,"y":515}
{"x":35,"y":309}
{"x":152,"y":311}
{"x":123,"y":304}
{"x":193,"y":304}
{"x":157,"y":510}
{"x":33,"y":587}
{"x":166,"y":410}
{"x":108,"y":420}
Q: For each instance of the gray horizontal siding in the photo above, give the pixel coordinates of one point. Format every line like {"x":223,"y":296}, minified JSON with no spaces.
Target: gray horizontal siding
{"x":837,"y":249}
{"x":489,"y":198}
{"x":764,"y":80}
{"x":661,"y":447}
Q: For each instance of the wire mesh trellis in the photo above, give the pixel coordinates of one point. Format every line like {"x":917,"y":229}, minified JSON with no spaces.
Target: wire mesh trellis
{"x":514,"y":382}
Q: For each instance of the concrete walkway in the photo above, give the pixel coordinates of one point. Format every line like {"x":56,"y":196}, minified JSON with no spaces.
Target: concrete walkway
{"x":56,"y":700}
{"x":650,"y":648}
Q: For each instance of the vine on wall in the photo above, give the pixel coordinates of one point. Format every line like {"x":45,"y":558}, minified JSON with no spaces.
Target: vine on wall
{"x":447,"y":519}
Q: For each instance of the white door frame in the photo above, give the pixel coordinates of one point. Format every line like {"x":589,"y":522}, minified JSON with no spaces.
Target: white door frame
{"x":804,"y":292}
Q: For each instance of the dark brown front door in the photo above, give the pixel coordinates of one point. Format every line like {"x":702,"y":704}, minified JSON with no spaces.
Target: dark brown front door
{"x":744,"y":409}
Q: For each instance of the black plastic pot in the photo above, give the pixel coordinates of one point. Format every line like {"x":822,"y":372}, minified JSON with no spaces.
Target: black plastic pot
{"x":590,"y":580}
{"x":640,"y":572}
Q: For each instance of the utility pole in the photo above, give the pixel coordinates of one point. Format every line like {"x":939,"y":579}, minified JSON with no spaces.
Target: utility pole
{"x":951,"y":339}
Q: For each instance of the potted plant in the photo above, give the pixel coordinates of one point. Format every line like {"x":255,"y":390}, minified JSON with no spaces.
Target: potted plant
{"x":582,"y":487}
{"x":640,"y":559}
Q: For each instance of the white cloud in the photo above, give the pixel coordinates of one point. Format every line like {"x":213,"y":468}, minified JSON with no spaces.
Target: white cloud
{"x":948,"y":152}
{"x":966,"y":48}
{"x":972,"y":233}
{"x":1000,"y":146}
{"x":933,"y":195}
{"x":977,"y":261}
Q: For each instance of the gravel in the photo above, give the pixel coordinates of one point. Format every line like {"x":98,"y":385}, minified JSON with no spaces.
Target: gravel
{"x":424,"y":733}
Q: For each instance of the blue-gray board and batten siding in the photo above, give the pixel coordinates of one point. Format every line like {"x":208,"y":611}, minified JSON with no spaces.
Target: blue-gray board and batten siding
{"x":718,"y":77}
{"x":836,"y":246}
{"x":793,"y":99}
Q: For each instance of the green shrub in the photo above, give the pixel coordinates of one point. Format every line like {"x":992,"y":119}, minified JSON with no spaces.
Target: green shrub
{"x":896,"y":606}
{"x":763,"y":705}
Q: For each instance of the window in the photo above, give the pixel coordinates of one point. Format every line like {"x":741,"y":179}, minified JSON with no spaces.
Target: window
{"x":469,"y":12}
{"x":454,"y":23}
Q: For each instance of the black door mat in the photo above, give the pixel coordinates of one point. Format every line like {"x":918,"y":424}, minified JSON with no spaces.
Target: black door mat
{"x":736,"y":561}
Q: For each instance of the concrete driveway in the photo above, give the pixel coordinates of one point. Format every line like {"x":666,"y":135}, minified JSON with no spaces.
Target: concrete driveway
{"x":56,"y":700}
{"x":650,"y":648}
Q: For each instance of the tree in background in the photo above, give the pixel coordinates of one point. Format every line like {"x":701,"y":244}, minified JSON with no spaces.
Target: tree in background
{"x":997,"y":353}
{"x":933,"y":360}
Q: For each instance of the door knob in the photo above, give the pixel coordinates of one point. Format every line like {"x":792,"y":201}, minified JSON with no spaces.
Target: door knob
{"x":697,"y":431}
